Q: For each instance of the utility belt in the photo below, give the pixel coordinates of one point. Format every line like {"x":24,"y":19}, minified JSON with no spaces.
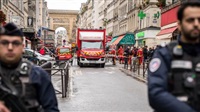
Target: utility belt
{"x":184,"y":77}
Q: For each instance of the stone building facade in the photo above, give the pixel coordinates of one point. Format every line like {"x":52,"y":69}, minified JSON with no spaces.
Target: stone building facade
{"x":66,"y":19}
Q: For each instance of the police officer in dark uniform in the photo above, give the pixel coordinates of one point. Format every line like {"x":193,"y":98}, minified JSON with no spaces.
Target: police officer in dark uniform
{"x":174,"y":71}
{"x":21,"y":78}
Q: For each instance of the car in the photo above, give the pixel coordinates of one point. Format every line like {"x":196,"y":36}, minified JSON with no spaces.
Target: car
{"x":36,"y":57}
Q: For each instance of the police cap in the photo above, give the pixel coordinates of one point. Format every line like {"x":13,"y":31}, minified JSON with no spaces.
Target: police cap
{"x":11,"y":29}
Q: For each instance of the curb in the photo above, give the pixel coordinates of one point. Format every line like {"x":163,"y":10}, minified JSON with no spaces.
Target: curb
{"x":131,"y":74}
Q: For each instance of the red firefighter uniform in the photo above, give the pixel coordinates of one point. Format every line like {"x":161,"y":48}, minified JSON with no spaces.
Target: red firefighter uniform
{"x":113,"y":52}
{"x":140,"y":55}
{"x":120,"y":53}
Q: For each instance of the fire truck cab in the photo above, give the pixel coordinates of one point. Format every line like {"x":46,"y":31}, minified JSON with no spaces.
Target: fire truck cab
{"x":64,"y":53}
{"x":91,"y":47}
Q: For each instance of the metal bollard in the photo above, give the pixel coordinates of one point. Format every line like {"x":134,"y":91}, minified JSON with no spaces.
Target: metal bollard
{"x":64,"y":78}
{"x":138,"y":69}
{"x":67,"y":77}
{"x":143,"y":68}
{"x":47,"y":65}
{"x":63,"y":83}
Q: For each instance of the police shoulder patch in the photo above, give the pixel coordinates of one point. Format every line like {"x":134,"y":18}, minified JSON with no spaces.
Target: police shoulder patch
{"x":154,"y":64}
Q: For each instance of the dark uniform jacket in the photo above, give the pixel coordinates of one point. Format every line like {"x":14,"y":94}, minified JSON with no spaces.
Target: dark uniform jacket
{"x":45,"y":90}
{"x":159,"y":97}
{"x":45,"y":93}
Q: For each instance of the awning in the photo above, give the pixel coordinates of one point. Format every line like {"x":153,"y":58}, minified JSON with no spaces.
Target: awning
{"x":167,"y":31}
{"x":117,"y":40}
{"x":113,"y":39}
{"x":128,"y":39}
{"x":165,"y":36}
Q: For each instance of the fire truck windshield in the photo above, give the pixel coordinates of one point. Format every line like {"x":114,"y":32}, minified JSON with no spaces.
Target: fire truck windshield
{"x":64,"y":50}
{"x":97,"y":45}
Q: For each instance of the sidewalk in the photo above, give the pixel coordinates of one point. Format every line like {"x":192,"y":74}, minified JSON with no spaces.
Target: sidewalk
{"x":133,"y":74}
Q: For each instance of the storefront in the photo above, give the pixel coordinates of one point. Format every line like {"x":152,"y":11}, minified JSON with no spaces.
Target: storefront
{"x":146,"y":37}
{"x":140,"y":39}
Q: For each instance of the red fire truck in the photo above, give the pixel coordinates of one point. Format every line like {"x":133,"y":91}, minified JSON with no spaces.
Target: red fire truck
{"x":91,"y":47}
{"x":64,"y":53}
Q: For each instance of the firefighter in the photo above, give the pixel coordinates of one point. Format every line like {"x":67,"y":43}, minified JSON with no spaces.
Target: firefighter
{"x":120,"y":53}
{"x":140,"y":55}
{"x":113,"y":52}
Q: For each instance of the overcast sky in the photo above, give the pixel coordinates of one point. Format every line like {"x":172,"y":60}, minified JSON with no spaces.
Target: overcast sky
{"x":65,"y":4}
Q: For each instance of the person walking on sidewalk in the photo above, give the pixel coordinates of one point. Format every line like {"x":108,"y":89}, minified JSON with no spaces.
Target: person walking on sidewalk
{"x":174,"y":71}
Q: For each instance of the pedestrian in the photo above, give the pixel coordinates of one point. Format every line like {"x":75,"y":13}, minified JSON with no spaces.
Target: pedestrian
{"x":174,"y":71}
{"x":31,"y":83}
{"x":145,"y":53}
{"x":126,"y":57}
{"x":42,"y":50}
{"x":150,"y":53}
{"x":135,"y":51}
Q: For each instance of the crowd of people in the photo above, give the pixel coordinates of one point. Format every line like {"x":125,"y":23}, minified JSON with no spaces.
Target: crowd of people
{"x":125,"y":54}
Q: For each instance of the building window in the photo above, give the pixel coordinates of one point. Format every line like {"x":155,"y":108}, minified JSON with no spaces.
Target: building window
{"x":174,"y":1}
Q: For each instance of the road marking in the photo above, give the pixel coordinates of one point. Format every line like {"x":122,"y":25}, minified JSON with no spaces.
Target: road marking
{"x":110,"y":68}
{"x":109,"y":72}
{"x":92,"y":72}
{"x":77,"y":72}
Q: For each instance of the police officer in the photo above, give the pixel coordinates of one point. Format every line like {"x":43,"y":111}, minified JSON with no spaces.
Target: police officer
{"x":33,"y":85}
{"x":174,"y":71}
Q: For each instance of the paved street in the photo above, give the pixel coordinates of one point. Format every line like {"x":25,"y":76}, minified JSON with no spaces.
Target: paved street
{"x":103,"y":89}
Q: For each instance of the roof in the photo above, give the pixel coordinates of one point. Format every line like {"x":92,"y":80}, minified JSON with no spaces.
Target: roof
{"x":63,"y":11}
